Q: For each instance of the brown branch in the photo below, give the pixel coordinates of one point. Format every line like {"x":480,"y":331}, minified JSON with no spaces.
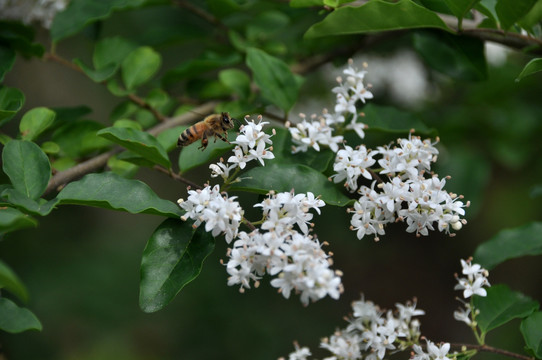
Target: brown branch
{"x":493,"y":350}
{"x":63,"y":177}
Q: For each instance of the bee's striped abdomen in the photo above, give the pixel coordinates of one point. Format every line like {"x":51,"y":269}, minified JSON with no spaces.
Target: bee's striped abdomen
{"x":188,"y":136}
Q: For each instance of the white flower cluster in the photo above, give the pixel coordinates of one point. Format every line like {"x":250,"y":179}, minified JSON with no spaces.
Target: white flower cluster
{"x":295,"y":258}
{"x":371,"y":333}
{"x":319,"y":131}
{"x":251,"y":144}
{"x":29,"y":11}
{"x":220,"y":213}
{"x":407,"y":195}
{"x":471,"y":285}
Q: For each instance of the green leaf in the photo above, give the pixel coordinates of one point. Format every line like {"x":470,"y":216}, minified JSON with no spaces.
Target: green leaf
{"x":50,"y":147}
{"x":391,"y":120}
{"x":282,"y":149}
{"x":460,"y":7}
{"x":12,"y":219}
{"x":274,"y":78}
{"x":7,"y":59}
{"x":99,"y":75}
{"x":36,"y":121}
{"x":460,"y":57}
{"x":533,"y":66}
{"x":111,"y":52}
{"x":27,"y":167}
{"x":111,"y":191}
{"x":511,"y":11}
{"x":14,"y":319}
{"x":116,"y":89}
{"x":191,"y":157}
{"x":531,"y":329}
{"x":500,"y":306}
{"x":11,"y":101}
{"x":139,"y":66}
{"x":173,"y":257}
{"x":35,"y":207}
{"x":81,"y":13}
{"x":121,"y":167}
{"x":510,"y":244}
{"x":376,"y":16}
{"x":168,"y":138}
{"x":140,"y":142}
{"x":11,"y":282}
{"x":78,"y":138}
{"x":238,"y":81}
{"x":300,"y":178}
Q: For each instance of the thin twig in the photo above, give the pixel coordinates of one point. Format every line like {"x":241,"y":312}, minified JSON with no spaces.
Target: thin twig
{"x":176,"y":177}
{"x":494,"y":350}
{"x":201,"y":13}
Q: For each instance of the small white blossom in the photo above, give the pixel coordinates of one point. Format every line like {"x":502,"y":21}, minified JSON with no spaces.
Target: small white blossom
{"x":251,"y":145}
{"x":350,"y":164}
{"x":474,"y":282}
{"x":307,"y":134}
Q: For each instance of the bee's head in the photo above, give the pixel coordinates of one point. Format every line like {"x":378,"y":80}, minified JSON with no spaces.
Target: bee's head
{"x":228,"y":120}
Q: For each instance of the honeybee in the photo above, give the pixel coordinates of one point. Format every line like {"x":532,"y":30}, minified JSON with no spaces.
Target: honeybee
{"x":216,"y":125}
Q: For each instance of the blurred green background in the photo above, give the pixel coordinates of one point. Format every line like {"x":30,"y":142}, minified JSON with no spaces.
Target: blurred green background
{"x":81,"y":265}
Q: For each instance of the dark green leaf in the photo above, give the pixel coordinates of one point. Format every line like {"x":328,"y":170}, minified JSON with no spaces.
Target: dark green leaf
{"x":300,"y":178}
{"x":274,"y":78}
{"x":236,"y":80}
{"x":36,"y":121}
{"x":534,"y":66}
{"x":19,"y":37}
{"x":173,"y":257}
{"x":116,"y":89}
{"x":510,"y":244}
{"x":139,"y":66}
{"x":140,"y":142}
{"x":34,"y":207}
{"x":376,"y":16}
{"x":191,"y":157}
{"x":81,"y":13}
{"x":460,"y":7}
{"x":27,"y":167}
{"x":14,"y":319}
{"x":11,"y":282}
{"x":306,"y":3}
{"x":206,"y":62}
{"x":78,"y":138}
{"x":111,"y":52}
{"x":460,"y":57}
{"x":500,"y":306}
{"x":391,"y":120}
{"x":531,"y":329}
{"x":282,"y":149}
{"x":511,"y":11}
{"x":532,"y":18}
{"x":11,"y":101}
{"x":12,"y":219}
{"x":99,"y":75}
{"x":7,"y":59}
{"x":65,"y":114}
{"x":110,"y":191}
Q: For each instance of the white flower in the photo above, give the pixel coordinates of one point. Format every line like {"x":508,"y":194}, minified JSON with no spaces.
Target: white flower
{"x":475,"y":281}
{"x":313,"y":134}
{"x":300,"y":353}
{"x":221,"y":215}
{"x":343,"y":345}
{"x":463,"y":315}
{"x":438,"y":352}
{"x":251,"y":145}
{"x":350,"y":164}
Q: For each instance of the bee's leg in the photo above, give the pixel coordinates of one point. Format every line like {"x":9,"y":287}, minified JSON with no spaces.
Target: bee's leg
{"x":223,"y":138}
{"x":204,"y":142}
